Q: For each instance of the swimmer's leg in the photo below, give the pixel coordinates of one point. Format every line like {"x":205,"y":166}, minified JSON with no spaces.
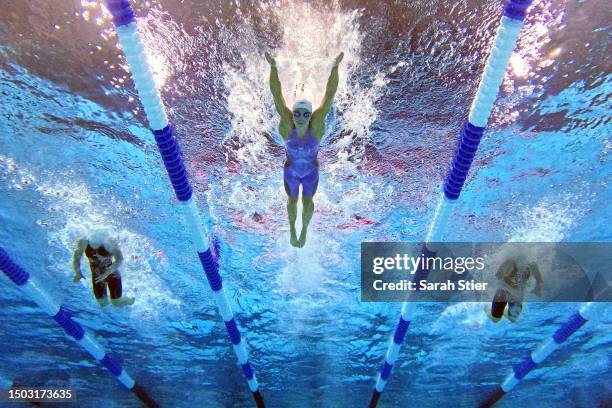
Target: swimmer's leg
{"x":99,"y":290}
{"x":513,"y":311}
{"x":103,"y":301}
{"x":115,"y":289}
{"x":292,"y":211}
{"x":496,"y":311}
{"x":292,"y":186}
{"x":307,"y":211}
{"x":309,"y":188}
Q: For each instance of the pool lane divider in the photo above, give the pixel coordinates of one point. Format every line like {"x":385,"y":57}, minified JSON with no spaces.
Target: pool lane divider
{"x":470,"y":135}
{"x":63,"y":317}
{"x":163,"y":131}
{"x":519,"y":371}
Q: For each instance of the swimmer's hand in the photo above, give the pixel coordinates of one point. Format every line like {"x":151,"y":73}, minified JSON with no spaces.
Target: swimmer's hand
{"x":77,"y":276}
{"x":102,"y":277}
{"x":270,"y":59}
{"x":110,"y":270}
{"x":338,"y":59}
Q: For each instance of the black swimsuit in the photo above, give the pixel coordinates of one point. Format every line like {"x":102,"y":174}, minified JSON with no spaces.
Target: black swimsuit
{"x":518,"y":280}
{"x":99,"y":261}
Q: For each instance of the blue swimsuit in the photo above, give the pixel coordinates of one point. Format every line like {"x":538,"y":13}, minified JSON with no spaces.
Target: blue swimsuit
{"x":301,"y":166}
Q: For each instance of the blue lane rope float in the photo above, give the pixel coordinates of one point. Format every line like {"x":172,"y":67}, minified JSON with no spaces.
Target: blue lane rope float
{"x":470,"y":136}
{"x":64,"y":318}
{"x":133,"y":48}
{"x":519,"y":371}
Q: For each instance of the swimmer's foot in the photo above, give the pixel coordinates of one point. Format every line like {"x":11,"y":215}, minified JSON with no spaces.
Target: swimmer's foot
{"x":494,"y":319}
{"x":103,"y":302}
{"x":513,"y":319}
{"x":302,"y":240}
{"x":122,"y":301}
{"x":293,"y":240}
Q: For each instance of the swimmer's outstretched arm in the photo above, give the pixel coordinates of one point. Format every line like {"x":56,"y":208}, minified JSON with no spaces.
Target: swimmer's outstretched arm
{"x":318,"y":116}
{"x":76,"y":259}
{"x":279,"y":102}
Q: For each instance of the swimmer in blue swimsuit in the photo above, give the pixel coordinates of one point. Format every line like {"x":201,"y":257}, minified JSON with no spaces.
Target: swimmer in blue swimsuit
{"x":302,"y":130}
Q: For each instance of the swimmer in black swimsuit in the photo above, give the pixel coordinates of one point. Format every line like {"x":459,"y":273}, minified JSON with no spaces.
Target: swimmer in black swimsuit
{"x":514,"y":278}
{"x":100,"y":251}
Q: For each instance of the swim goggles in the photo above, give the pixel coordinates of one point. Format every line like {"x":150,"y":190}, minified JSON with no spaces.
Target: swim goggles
{"x":297,"y":114}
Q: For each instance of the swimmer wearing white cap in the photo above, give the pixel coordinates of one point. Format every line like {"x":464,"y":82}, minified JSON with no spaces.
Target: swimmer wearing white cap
{"x":302,"y":130}
{"x":104,"y":258}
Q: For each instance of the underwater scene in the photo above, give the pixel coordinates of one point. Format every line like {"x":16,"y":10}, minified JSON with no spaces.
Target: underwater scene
{"x":191,"y":191}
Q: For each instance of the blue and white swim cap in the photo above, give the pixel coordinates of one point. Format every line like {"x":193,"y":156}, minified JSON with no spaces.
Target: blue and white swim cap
{"x":302,"y":105}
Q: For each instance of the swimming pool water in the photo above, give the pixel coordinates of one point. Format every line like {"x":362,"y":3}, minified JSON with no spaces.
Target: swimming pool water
{"x":75,"y":151}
